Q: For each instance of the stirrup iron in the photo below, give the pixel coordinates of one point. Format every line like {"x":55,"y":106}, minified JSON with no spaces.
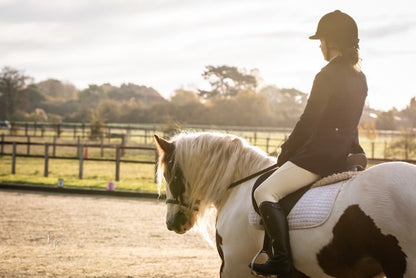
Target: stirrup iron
{"x":253,"y":261}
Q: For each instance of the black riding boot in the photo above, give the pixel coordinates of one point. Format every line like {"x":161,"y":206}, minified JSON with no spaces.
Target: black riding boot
{"x":276,"y":226}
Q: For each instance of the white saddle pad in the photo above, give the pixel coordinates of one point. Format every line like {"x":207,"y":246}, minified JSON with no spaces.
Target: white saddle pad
{"x":312,"y":210}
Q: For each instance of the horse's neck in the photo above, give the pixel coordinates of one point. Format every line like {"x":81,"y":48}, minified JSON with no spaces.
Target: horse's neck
{"x":211,"y":171}
{"x":237,"y":199}
{"x":241,"y":172}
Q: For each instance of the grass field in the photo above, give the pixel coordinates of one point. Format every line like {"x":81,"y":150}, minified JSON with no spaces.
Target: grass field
{"x":136,"y":177}
{"x":96,"y":174}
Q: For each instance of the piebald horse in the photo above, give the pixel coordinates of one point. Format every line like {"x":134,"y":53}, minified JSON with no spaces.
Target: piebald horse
{"x":370,"y":231}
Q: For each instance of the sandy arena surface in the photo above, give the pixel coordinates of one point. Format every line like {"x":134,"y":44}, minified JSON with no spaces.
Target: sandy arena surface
{"x":51,"y":235}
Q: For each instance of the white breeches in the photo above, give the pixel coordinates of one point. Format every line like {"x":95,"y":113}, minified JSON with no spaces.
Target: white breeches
{"x":285,"y":180}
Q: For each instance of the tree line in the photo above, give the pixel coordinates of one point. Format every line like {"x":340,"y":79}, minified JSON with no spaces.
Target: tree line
{"x":234,"y":98}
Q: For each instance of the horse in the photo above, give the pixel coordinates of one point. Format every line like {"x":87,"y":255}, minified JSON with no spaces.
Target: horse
{"x":369,"y":232}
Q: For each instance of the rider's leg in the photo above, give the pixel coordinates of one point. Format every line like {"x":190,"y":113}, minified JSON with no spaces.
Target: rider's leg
{"x":287,"y":179}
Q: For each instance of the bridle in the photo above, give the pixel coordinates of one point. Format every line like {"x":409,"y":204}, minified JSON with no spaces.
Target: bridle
{"x":177,"y":185}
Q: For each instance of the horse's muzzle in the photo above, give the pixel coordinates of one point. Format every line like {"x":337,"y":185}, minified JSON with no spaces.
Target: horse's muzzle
{"x":177,"y":222}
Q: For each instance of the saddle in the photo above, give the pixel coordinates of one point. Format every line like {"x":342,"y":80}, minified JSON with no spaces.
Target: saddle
{"x":355,"y":162}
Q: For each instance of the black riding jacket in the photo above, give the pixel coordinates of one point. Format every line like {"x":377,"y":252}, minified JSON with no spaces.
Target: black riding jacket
{"x":327,"y":131}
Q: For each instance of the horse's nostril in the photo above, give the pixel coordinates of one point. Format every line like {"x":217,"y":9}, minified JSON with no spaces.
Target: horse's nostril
{"x":180,"y":218}
{"x":176,"y":222}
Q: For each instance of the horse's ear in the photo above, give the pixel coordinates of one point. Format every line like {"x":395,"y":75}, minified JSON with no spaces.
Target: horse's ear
{"x":163,"y":145}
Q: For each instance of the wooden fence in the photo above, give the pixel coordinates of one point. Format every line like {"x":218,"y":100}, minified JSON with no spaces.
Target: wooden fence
{"x":116,"y":137}
{"x":267,"y":138}
{"x":82,"y":154}
{"x":49,"y":152}
{"x":142,"y":134}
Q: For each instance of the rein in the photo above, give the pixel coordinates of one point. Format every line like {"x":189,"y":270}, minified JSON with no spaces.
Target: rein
{"x":234,"y":184}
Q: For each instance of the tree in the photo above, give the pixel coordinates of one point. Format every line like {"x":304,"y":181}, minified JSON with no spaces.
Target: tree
{"x":182,"y":97}
{"x":286,"y":104}
{"x":31,"y":98}
{"x":56,"y":89}
{"x":252,"y":109}
{"x":108,"y":111}
{"x":227,"y":81}
{"x":12,"y":83}
{"x":139,"y":93}
{"x":186,"y":107}
{"x":410,"y":113}
{"x":84,"y":114}
{"x":91,"y":96}
{"x":387,"y":120}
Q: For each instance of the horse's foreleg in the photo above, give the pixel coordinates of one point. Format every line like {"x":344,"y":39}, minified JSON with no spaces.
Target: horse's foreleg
{"x":233,"y":265}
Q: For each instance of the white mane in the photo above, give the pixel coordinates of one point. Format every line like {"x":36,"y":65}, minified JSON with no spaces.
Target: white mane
{"x":212,"y":161}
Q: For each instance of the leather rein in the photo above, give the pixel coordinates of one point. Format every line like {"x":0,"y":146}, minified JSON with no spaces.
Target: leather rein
{"x":234,"y":184}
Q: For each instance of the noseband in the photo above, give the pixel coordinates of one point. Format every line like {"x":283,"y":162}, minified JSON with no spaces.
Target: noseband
{"x":177,"y":185}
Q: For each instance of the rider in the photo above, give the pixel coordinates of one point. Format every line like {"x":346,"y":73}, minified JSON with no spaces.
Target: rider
{"x":324,"y":136}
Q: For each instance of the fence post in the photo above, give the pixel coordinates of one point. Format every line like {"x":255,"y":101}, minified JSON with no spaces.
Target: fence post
{"x":14,"y":158}
{"x":102,"y":145}
{"x":75,"y":131}
{"x":28,"y":146}
{"x":46,"y":168}
{"x":26,"y":128}
{"x":54,"y":146}
{"x":118,"y":163}
{"x":156,"y":164}
{"x":123,"y":143}
{"x":267,"y":144}
{"x":81,"y":161}
{"x":372,"y":150}
{"x":58,"y":130}
{"x":2,"y":145}
{"x":406,"y":148}
{"x":83,"y":130}
{"x":78,"y":143}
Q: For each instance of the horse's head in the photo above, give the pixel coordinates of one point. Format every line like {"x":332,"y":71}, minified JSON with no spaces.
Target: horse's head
{"x":181,"y":211}
{"x":198,"y":168}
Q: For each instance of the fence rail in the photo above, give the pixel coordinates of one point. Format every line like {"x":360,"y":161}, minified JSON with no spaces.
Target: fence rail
{"x":115,"y":138}
{"x":377,"y":143}
{"x":139,"y":133}
{"x":82,"y":154}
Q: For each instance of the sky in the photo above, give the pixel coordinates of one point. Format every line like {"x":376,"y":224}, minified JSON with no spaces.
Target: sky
{"x":166,"y":44}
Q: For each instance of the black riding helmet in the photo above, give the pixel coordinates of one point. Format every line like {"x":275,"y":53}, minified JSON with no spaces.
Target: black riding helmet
{"x":339,"y":28}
